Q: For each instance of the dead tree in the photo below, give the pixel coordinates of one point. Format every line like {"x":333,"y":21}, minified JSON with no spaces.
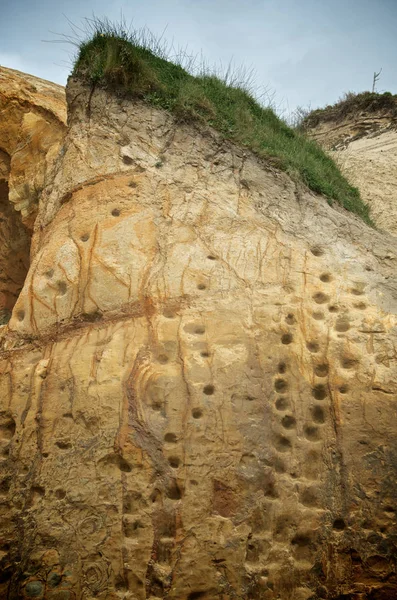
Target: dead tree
{"x":376,"y":77}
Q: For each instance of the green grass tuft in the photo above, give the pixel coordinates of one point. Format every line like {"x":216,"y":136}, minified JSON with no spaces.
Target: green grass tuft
{"x":135,"y":65}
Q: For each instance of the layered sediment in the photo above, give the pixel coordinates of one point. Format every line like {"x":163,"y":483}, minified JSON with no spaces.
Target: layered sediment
{"x":364,"y":144}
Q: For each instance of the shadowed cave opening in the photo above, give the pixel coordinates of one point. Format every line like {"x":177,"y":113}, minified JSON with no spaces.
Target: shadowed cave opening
{"x":15,"y":241}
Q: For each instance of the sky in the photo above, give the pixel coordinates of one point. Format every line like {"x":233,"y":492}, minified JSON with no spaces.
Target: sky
{"x":305,"y":53}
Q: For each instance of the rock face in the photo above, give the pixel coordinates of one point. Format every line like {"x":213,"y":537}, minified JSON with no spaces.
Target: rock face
{"x":32,"y":126}
{"x":198,"y":382}
{"x":365,"y":147}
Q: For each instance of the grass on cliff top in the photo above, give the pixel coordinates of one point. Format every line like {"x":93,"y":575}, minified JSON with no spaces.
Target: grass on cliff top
{"x":133,"y":65}
{"x":351,"y":104}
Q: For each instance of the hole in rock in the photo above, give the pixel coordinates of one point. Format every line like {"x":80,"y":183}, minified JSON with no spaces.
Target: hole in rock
{"x":208,"y":390}
{"x":325,"y":277}
{"x":360,"y":305}
{"x":197,"y":413}
{"x":344,"y":389}
{"x":199,"y":330}
{"x":170,"y":438}
{"x":311,"y":433}
{"x":282,"y":444}
{"x":286,"y":338}
{"x":319,"y":392}
{"x":320,"y":298}
{"x":317,"y":251}
{"x":318,"y":414}
{"x":290,"y":319}
{"x":358,"y":290}
{"x":288,"y":422}
{"x":348,"y":362}
{"x":282,"y":367}
{"x":15,"y":241}
{"x":321,"y":370}
{"x":62,"y":288}
{"x":281,"y":386}
{"x":7,"y":427}
{"x":301,"y":539}
{"x":5,"y":485}
{"x":211,"y":257}
{"x":282,"y":404}
{"x":85,"y":237}
{"x":116,"y":212}
{"x":173,"y":491}
{"x":63,"y":445}
{"x":342,"y":324}
{"x":339,"y":524}
{"x":318,"y":315}
{"x":313,"y":347}
{"x":201,"y":286}
{"x":174,"y":462}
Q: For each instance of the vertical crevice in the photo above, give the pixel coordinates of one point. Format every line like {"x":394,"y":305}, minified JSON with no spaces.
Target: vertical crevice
{"x":15,"y":242}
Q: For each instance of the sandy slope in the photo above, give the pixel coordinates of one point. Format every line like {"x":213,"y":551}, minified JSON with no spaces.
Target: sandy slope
{"x":370,"y":163}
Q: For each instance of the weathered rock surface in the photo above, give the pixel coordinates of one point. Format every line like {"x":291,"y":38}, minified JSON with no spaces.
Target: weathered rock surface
{"x":199,"y":383}
{"x":32,"y":126}
{"x":365,"y":147}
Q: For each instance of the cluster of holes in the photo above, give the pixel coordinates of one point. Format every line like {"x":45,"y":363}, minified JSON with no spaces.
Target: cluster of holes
{"x":282,"y":443}
{"x":342,"y":325}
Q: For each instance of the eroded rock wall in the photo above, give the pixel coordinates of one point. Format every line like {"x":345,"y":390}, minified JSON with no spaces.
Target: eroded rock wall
{"x":365,"y":147}
{"x":199,"y":382}
{"x":32,"y":126}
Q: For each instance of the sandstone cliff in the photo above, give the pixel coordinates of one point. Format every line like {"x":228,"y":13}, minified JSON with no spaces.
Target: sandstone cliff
{"x":364,"y":144}
{"x":32,"y":125}
{"x":198,"y":382}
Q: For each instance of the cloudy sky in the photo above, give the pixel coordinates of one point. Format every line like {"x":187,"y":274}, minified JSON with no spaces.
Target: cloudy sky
{"x":304,"y":52}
